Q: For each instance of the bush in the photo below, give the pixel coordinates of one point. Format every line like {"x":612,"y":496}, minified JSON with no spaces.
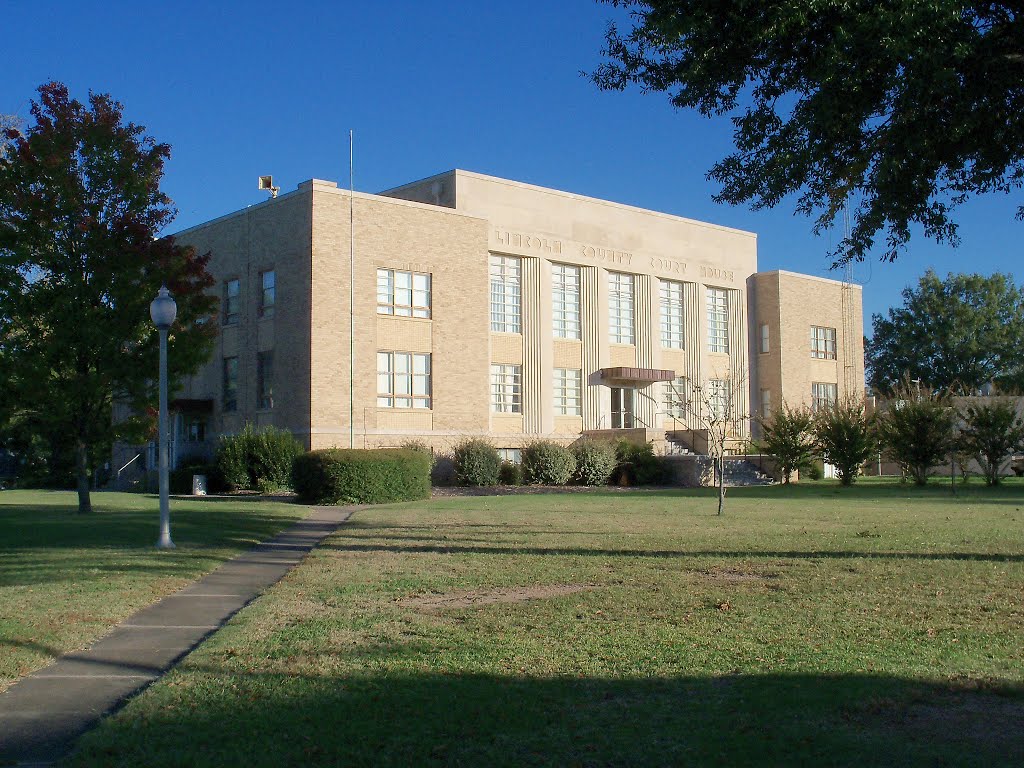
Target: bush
{"x":547,"y":463}
{"x":181,"y":478}
{"x":917,"y":430}
{"x":421,"y":447}
{"x":845,"y":438}
{"x":355,"y":476}
{"x":991,"y":432}
{"x":476,"y":463}
{"x":786,"y":435}
{"x":511,"y":473}
{"x":595,"y":461}
{"x":257,"y":460}
{"x":637,"y":464}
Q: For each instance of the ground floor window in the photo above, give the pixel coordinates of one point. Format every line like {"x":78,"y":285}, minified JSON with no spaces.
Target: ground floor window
{"x":403,"y":380}
{"x":230,"y":384}
{"x":507,"y":388}
{"x":568,"y":392}
{"x":823,"y":395}
{"x":511,"y":455}
{"x":673,"y":398}
{"x":265,"y":380}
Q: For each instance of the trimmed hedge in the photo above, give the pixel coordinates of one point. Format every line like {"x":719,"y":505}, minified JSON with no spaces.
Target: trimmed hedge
{"x":595,"y":461}
{"x":547,"y":463}
{"x":476,"y":463}
{"x":258,"y":460}
{"x":638,"y":464}
{"x":355,"y":476}
{"x":511,"y":473}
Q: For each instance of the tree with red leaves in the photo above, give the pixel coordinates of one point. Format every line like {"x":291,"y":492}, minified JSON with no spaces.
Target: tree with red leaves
{"x":80,"y":260}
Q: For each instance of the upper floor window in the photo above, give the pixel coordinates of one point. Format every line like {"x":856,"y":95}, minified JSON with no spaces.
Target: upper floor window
{"x":506,"y":294}
{"x":507,"y":388}
{"x":403,"y":380}
{"x":718,"y":320}
{"x":671,"y":314}
{"x":823,"y":395}
{"x":405,"y":294}
{"x":823,"y":343}
{"x":230,"y":384}
{"x":565,"y":301}
{"x":621,"y":308}
{"x":265,"y":380}
{"x":268,"y":282}
{"x":764,"y":338}
{"x":568,"y":392}
{"x":232,"y":300}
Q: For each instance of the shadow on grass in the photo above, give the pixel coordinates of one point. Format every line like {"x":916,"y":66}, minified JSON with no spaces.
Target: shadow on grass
{"x":207,"y":717}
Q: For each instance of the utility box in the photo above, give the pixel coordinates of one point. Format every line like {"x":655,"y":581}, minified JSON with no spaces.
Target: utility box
{"x":198,"y":485}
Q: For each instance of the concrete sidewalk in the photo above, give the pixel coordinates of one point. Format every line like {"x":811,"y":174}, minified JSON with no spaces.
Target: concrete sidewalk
{"x":43,"y":714}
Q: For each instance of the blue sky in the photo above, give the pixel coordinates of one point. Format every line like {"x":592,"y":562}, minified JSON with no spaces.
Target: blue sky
{"x":243,"y":89}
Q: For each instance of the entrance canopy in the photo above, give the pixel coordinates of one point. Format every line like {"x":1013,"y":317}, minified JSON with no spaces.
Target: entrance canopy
{"x":634,"y":377}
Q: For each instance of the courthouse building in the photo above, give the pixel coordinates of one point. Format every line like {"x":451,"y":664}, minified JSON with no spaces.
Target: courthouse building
{"x":489,"y":308}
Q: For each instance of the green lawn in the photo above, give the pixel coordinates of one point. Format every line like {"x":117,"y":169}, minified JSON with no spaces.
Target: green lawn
{"x":881,"y":624}
{"x":66,"y":578}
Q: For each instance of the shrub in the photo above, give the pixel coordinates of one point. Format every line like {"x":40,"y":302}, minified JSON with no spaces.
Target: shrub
{"x":547,"y":463}
{"x":421,"y":447}
{"x":511,"y":473}
{"x":845,"y":438}
{"x":476,"y":463}
{"x":257,"y":460}
{"x":181,"y":478}
{"x":356,"y":476}
{"x":786,"y":435}
{"x":990,"y":433}
{"x":917,"y":430}
{"x":595,"y":461}
{"x":637,"y":464}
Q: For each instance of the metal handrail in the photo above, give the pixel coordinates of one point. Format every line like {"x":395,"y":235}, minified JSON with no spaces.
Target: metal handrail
{"x":122,"y":469}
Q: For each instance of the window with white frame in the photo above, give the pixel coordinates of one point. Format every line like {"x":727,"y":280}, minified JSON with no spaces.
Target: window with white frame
{"x":404,"y":294}
{"x":823,"y":395}
{"x":823,"y":343}
{"x":568,"y":392}
{"x":718,"y":320}
{"x":565,"y":301}
{"x":506,"y":294}
{"x":511,"y":455}
{"x":671,"y":314}
{"x":507,"y":388}
{"x":268,"y":293}
{"x":673,"y":397}
{"x":766,"y":403}
{"x":719,"y":395}
{"x":764,"y":338}
{"x":403,"y":380}
{"x":621,"y":308}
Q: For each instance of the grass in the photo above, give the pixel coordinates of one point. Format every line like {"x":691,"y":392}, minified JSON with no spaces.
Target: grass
{"x":810,"y":625}
{"x":65,"y":578}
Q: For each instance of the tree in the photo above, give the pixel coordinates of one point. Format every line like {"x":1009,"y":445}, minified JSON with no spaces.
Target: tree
{"x":991,"y":432}
{"x":718,"y":407}
{"x":80,"y":211}
{"x":786,"y":434}
{"x":956,"y":334}
{"x":916,"y":431}
{"x":907,"y":107}
{"x":845,"y":438}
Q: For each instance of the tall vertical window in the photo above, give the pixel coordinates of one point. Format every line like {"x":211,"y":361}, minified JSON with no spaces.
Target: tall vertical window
{"x":823,"y":343}
{"x":506,"y":294}
{"x":764,"y":338}
{"x":265,"y":380}
{"x":568,"y":392}
{"x":403,"y":380}
{"x":766,"y":403}
{"x":671,"y":314}
{"x":507,"y":388}
{"x":232,"y":300}
{"x":673,"y":397}
{"x":565,"y":301}
{"x":823,"y":395}
{"x":621,"y":308}
{"x":268,"y":283}
{"x":230,"y":384}
{"x":719,"y":396}
{"x":718,"y":320}
{"x":405,"y":294}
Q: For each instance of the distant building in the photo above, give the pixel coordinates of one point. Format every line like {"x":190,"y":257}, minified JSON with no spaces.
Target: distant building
{"x":491,"y":308}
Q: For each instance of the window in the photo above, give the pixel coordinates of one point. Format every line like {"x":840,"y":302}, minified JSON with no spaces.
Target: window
{"x":823,"y":395}
{"x":403,"y":380}
{"x":568,"y":392}
{"x":507,"y":388}
{"x":265,"y":380}
{"x":506,"y":294}
{"x":511,"y":455}
{"x":764,"y":338}
{"x":267,"y":296}
{"x":766,"y":403}
{"x":232,"y":301}
{"x":620,"y":308}
{"x":671,"y":314}
{"x":823,"y":343}
{"x":718,"y":320}
{"x":719,"y":395}
{"x":565,"y":301}
{"x":673,"y":397}
{"x":195,"y":430}
{"x":405,"y":294}
{"x":230,"y":399}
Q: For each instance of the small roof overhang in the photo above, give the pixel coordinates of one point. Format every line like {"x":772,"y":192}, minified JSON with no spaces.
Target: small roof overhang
{"x":637,"y":375}
{"x":184,"y":405}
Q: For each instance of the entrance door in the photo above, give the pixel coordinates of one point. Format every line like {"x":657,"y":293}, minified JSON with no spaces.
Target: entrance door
{"x":623,"y":399}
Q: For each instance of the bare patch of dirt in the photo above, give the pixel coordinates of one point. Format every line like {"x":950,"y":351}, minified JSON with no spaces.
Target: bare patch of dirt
{"x":478,"y":597}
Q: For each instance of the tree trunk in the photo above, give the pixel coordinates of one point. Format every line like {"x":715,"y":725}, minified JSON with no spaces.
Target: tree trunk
{"x":84,"y":503}
{"x":721,"y":483}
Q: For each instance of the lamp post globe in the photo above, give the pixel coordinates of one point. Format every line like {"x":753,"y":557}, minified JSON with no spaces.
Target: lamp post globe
{"x":163,"y":310}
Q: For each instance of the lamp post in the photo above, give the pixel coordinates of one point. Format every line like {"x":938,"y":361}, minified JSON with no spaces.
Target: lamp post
{"x":163,"y":311}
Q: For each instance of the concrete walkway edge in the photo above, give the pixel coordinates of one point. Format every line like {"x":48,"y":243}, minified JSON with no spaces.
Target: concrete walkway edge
{"x":43,"y":714}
